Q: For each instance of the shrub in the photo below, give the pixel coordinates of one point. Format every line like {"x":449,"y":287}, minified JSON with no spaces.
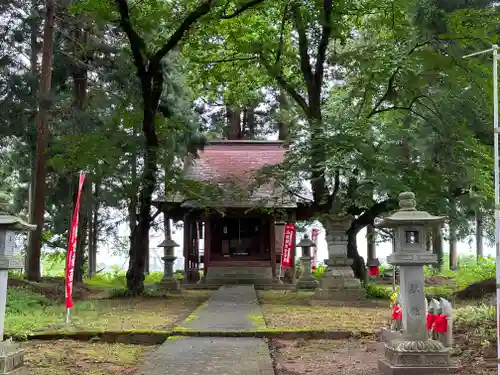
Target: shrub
{"x":437,"y":292}
{"x":319,"y":271}
{"x":20,"y":300}
{"x":480,"y":319}
{"x":374,"y":291}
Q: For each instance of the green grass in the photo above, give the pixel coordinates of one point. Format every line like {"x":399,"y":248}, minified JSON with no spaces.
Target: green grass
{"x":28,"y":312}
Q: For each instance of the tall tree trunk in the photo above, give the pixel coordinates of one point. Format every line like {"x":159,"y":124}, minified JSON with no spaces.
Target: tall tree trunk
{"x":139,"y":246}
{"x":95,"y":230}
{"x":282,"y":122}
{"x":91,"y":256}
{"x":371,"y":251}
{"x":453,"y":247}
{"x":479,"y":235}
{"x":234,"y":123}
{"x":35,"y":244}
{"x":83,"y":225}
{"x":251,"y":123}
{"x":437,"y":248}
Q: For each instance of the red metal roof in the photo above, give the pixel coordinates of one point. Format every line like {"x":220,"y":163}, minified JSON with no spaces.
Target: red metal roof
{"x":223,"y":161}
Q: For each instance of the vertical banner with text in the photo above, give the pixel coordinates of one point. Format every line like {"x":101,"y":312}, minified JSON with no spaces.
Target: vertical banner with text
{"x":314,"y":238}
{"x":287,"y":250}
{"x":70,"y":258}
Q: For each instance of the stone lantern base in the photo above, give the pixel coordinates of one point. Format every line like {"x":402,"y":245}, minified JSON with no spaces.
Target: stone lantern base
{"x":12,"y":359}
{"x":416,"y":358}
{"x":169,"y":281}
{"x":339,"y":283}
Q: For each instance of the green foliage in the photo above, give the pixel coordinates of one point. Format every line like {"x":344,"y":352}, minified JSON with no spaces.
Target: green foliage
{"x":374,"y":291}
{"x":21,"y":301}
{"x":319,"y":271}
{"x":479,"y":321}
{"x":117,"y":279}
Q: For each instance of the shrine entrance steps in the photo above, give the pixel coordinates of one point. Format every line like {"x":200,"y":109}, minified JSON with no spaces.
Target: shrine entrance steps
{"x":231,"y":308}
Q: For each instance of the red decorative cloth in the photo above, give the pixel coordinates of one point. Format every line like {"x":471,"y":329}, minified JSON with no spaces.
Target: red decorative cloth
{"x":441,"y":324}
{"x":397,"y":313}
{"x":373,"y":271}
{"x":431,"y":320}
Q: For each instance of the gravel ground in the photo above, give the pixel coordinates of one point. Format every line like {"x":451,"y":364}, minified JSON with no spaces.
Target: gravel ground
{"x":358,"y":357}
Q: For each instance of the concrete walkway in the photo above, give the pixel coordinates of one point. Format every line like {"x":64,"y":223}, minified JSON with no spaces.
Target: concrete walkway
{"x":230,"y":308}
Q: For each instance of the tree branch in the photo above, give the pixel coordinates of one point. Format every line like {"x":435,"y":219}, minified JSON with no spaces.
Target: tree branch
{"x":174,"y":39}
{"x":240,"y":10}
{"x":137,"y":44}
{"x":305,"y":61}
{"x":323,"y":43}
{"x":282,"y":36}
{"x":272,"y":71}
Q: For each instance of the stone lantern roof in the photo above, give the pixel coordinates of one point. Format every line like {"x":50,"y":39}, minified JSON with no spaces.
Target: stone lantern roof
{"x":168,"y":243}
{"x":306,"y":242}
{"x":10,"y":222}
{"x":409,"y":215}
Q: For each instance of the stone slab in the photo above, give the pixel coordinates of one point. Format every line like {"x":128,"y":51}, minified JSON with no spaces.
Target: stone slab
{"x":340,"y":294}
{"x":239,"y":275}
{"x":209,"y":356}
{"x":387,"y":369}
{"x":232,"y":307}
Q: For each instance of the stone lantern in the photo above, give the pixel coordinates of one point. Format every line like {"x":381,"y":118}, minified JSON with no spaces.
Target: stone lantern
{"x":338,"y":283}
{"x":306,"y":280}
{"x":11,"y":355}
{"x":415,"y":352}
{"x":169,"y":280}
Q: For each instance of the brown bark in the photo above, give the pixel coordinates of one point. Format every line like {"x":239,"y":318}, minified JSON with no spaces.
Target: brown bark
{"x":83,"y":225}
{"x":282,"y":124}
{"x":234,"y":123}
{"x":250,"y":128}
{"x":437,"y":247}
{"x":35,"y":244}
{"x":370,"y":242}
{"x":95,"y":230}
{"x":479,"y":235}
{"x":453,"y":247}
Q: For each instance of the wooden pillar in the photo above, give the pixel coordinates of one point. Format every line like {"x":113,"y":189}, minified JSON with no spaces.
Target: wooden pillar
{"x":272,"y":240}
{"x":208,"y":242}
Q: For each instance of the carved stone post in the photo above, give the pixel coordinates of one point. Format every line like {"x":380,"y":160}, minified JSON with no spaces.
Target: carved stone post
{"x":11,"y":355}
{"x":338,"y":283}
{"x":415,"y":352}
{"x":169,"y":281}
{"x":306,"y":280}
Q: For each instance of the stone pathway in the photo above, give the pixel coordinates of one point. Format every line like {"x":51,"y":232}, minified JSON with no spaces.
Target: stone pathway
{"x":230,"y":308}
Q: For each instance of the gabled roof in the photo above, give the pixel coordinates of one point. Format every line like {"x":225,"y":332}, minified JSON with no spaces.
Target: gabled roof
{"x":234,"y":165}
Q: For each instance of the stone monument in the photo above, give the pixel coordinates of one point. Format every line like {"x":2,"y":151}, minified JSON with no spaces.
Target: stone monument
{"x":11,"y":354}
{"x":414,"y":352}
{"x":338,"y":283}
{"x":306,"y":280}
{"x":169,"y":281}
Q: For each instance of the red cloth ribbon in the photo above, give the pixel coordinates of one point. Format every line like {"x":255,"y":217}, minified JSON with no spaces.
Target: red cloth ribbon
{"x":397,"y":313}
{"x":441,"y":324}
{"x":431,"y":320}
{"x":373,"y":271}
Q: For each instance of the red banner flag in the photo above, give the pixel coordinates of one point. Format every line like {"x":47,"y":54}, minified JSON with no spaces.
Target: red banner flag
{"x":287,"y":250}
{"x":314,"y":238}
{"x":70,"y":258}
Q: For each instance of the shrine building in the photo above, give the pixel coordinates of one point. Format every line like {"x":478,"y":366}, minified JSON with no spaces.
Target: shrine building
{"x":238,"y":216}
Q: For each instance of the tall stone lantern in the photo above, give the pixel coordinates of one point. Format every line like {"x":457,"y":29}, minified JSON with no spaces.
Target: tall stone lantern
{"x":169,"y":280}
{"x":306,"y":280}
{"x":11,"y":355}
{"x":415,"y":353}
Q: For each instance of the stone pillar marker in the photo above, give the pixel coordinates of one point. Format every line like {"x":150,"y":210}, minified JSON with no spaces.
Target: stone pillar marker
{"x":11,"y":355}
{"x":169,"y":281}
{"x":415,"y":353}
{"x":306,"y":280}
{"x":338,"y":283}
